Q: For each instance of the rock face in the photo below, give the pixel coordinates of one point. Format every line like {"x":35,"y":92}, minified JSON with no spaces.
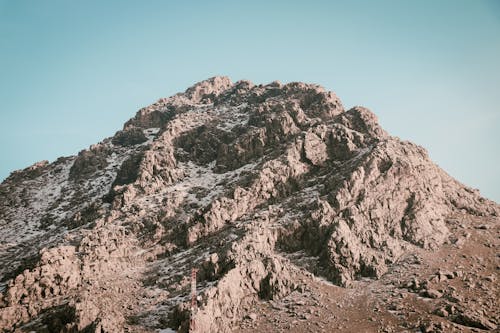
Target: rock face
{"x":230,"y":179}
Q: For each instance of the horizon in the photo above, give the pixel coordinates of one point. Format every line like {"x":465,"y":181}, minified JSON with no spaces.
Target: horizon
{"x":73,"y":73}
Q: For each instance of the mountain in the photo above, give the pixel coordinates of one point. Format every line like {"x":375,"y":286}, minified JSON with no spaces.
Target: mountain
{"x":298,"y":215}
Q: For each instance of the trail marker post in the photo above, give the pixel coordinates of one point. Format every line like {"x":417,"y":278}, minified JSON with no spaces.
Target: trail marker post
{"x":194,"y":302}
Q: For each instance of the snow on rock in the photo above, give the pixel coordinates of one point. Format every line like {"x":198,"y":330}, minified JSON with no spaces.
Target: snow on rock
{"x":252,"y":185}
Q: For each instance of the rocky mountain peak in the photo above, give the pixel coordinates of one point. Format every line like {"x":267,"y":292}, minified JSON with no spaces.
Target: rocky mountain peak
{"x":266,"y":190}
{"x":213,"y":86}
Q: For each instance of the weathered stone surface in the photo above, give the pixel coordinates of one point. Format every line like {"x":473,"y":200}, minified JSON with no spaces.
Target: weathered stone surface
{"x":89,"y":161}
{"x":259,"y":187}
{"x":129,"y":137}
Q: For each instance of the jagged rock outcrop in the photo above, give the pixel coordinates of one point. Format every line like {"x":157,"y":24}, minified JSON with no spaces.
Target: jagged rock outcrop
{"x":227,"y":178}
{"x":129,"y":136}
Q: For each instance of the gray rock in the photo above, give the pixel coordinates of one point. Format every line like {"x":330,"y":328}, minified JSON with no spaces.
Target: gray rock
{"x":220,"y":178}
{"x":431,"y":293}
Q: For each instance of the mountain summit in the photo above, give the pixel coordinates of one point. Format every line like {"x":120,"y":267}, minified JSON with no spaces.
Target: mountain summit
{"x":297,"y":214}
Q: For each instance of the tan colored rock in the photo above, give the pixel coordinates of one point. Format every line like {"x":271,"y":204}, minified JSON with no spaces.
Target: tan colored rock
{"x":235,"y":180}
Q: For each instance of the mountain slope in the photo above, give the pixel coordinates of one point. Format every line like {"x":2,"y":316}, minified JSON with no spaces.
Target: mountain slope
{"x":260,"y":187}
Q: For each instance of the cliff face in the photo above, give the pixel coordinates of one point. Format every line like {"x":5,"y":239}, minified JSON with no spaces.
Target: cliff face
{"x":257,"y":186}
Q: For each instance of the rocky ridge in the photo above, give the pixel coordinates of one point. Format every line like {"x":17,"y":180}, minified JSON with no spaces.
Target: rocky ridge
{"x":260,"y":187}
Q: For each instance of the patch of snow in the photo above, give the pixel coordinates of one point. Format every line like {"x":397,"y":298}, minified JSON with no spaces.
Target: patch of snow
{"x":324,"y":281}
{"x":42,"y":193}
{"x":231,"y":117}
{"x":151,"y":134}
{"x":199,"y":186}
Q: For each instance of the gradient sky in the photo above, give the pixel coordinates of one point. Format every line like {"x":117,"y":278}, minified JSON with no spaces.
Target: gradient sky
{"x":72,"y":72}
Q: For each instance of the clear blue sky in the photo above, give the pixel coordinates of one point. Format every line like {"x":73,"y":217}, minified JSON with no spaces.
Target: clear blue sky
{"x":72,"y":72}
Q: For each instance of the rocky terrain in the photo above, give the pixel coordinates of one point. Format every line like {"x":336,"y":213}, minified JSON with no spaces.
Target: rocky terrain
{"x":299,"y":215}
